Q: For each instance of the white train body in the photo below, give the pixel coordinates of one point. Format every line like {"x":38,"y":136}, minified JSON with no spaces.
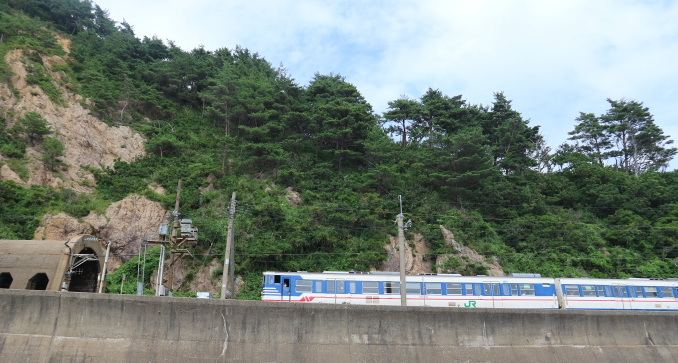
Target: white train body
{"x":612,"y":294}
{"x":524,"y":292}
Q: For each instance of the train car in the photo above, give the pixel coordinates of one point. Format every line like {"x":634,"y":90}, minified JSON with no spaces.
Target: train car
{"x":383,"y":288}
{"x":612,"y":294}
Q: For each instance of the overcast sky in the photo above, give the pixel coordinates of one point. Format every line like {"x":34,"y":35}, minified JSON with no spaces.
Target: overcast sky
{"x":552,"y":58}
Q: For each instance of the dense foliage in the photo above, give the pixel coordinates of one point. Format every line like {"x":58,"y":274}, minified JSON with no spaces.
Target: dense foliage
{"x":227,"y":120}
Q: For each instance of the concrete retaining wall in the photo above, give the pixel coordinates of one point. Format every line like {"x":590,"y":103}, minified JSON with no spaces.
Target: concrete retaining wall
{"x":43,"y":326}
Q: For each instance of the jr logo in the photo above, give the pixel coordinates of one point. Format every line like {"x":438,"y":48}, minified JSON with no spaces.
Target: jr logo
{"x":470,"y":304}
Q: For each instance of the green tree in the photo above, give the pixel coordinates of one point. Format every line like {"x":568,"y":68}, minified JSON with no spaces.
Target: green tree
{"x":341,"y":118}
{"x":641,"y":145}
{"x":53,"y":150}
{"x":592,"y":137}
{"x":403,"y":112}
{"x":510,"y":138}
{"x":35,"y":127}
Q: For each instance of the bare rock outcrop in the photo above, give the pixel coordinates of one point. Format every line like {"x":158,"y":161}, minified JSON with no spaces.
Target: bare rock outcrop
{"x":414,"y":259}
{"x":126,"y":224}
{"x":493,"y":268}
{"x":87,"y":141}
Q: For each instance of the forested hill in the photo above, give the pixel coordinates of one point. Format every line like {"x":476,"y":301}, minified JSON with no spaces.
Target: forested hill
{"x":601,"y":205}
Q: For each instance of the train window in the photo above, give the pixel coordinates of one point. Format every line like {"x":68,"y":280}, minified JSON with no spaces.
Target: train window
{"x":588,"y":290}
{"x":413,"y":288}
{"x":276,"y":279}
{"x":340,"y":287}
{"x":370,"y":287}
{"x":330,"y":286}
{"x":436,"y":288}
{"x":527,"y":289}
{"x":477,"y":289}
{"x":572,"y":290}
{"x":391,"y":287}
{"x":351,"y":287}
{"x":468,"y":288}
{"x":506,"y":289}
{"x":620,"y":291}
{"x":304,"y":285}
{"x":514,"y":289}
{"x":318,"y":286}
{"x":651,"y":291}
{"x":608,"y":291}
{"x":601,"y":290}
{"x":667,"y":291}
{"x":454,"y":289}
{"x":637,"y":291}
{"x":491,"y":289}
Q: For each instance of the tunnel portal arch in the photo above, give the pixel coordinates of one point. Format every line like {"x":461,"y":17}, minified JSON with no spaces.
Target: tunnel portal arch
{"x":85,"y":277}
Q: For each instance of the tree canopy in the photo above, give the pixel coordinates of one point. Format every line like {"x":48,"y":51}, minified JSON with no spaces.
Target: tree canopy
{"x":318,"y":173}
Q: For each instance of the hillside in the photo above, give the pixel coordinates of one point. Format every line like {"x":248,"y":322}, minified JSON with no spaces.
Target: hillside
{"x":98,"y":126}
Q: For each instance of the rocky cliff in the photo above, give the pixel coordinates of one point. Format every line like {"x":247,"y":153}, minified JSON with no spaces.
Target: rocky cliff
{"x":88,"y":142}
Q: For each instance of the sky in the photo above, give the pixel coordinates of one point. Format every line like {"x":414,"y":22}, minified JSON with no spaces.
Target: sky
{"x":553,"y":59}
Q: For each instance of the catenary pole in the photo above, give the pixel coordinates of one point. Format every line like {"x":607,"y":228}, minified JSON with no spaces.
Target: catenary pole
{"x":401,"y":247}
{"x":227,"y":252}
{"x":173,"y":237}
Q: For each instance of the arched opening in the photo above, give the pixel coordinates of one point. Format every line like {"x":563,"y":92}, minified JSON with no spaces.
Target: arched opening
{"x":39,"y":281}
{"x":5,"y":280}
{"x":84,"y":277}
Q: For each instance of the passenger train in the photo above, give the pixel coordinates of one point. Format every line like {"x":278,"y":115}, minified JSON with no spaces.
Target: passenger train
{"x":523,"y":291}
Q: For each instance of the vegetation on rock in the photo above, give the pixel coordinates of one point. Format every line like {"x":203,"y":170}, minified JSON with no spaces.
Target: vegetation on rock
{"x":227,"y":120}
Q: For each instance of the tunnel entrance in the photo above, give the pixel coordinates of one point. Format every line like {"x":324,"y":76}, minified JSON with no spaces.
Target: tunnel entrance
{"x":84,"y":277}
{"x":5,"y":280}
{"x":39,"y":281}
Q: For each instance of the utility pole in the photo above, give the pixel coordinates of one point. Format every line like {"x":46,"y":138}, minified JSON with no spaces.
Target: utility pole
{"x":401,"y":247}
{"x":173,"y":237}
{"x":103,"y":272}
{"x":229,"y":247}
{"x":161,"y":267}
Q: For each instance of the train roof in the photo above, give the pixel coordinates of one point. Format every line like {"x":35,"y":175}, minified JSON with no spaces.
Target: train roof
{"x":525,"y":277}
{"x":371,"y":275}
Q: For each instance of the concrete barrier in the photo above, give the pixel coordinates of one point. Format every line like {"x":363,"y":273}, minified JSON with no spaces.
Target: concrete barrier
{"x":44,"y":326}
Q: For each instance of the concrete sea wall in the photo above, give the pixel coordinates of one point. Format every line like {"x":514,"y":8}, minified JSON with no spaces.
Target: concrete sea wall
{"x":44,"y":326}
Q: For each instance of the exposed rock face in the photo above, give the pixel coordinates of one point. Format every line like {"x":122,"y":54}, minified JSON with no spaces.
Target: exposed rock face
{"x":414,"y":260}
{"x":8,"y":174}
{"x":204,"y":281}
{"x":126,"y":224}
{"x":87,"y":141}
{"x":493,"y":268}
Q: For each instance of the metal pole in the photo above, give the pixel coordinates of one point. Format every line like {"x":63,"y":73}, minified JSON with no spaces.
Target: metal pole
{"x":401,"y":247}
{"x":231,"y":283}
{"x":103,"y":273}
{"x":173,"y":237}
{"x":139,"y":264}
{"x":161,"y":267}
{"x":143,"y":270}
{"x":227,"y":252}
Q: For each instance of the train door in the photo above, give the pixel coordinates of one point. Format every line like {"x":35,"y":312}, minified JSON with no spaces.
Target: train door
{"x":413,"y":293}
{"x":351,"y":290}
{"x":493,"y":294}
{"x":636,"y":299}
{"x":286,"y":290}
{"x":622,"y":300}
{"x":336,"y":291}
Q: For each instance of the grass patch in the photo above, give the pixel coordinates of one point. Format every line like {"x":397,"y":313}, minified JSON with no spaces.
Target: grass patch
{"x":19,"y":167}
